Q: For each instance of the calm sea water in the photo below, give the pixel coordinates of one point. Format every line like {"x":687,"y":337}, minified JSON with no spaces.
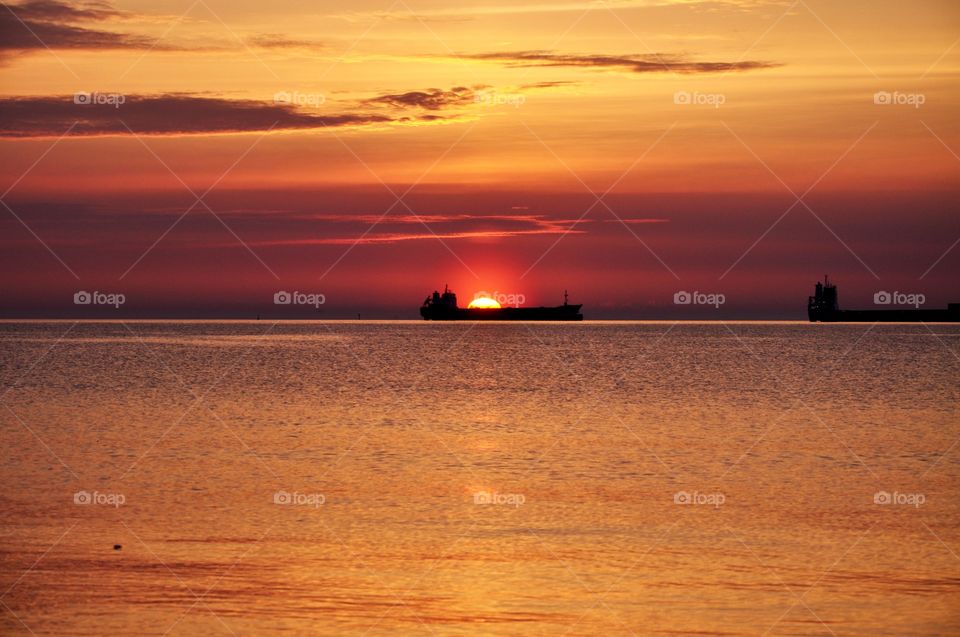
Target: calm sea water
{"x":512,"y":479}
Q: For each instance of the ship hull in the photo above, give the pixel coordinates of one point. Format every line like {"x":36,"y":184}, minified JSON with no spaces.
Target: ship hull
{"x":559,"y":313}
{"x":883,"y":316}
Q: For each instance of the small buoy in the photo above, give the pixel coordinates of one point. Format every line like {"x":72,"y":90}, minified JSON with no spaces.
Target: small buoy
{"x":117,"y":547}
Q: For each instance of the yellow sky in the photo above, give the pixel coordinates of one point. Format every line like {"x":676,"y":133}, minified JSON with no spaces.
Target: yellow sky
{"x":799,"y":115}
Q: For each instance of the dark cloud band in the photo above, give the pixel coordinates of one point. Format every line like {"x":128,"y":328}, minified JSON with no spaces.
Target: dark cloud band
{"x":161,"y":115}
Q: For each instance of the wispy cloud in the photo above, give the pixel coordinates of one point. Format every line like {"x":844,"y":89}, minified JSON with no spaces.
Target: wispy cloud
{"x":465,"y":11}
{"x":280,"y":41}
{"x":444,"y":226}
{"x":53,"y":24}
{"x":546,"y":85}
{"x":380,"y":238}
{"x":636,"y":221}
{"x":39,"y":24}
{"x":435,"y":99}
{"x":431,"y":99}
{"x":648,"y":63}
{"x":56,"y":11}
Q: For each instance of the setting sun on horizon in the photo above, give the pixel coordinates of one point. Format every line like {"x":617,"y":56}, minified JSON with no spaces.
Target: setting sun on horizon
{"x":483,"y":302}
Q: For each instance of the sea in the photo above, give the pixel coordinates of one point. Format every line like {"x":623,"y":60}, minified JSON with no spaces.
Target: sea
{"x":505,"y":479}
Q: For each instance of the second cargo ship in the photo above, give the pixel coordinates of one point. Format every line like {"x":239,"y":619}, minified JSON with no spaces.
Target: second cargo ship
{"x":824,"y":307}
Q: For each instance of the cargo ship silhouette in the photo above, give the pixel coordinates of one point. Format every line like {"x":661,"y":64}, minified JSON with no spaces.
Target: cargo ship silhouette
{"x":443,"y":307}
{"x":824,"y":307}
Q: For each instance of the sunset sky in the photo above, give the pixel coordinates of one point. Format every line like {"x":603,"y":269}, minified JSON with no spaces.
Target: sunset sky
{"x":623,"y":150}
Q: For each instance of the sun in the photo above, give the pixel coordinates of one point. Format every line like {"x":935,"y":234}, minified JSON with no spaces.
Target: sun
{"x":483,"y":303}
